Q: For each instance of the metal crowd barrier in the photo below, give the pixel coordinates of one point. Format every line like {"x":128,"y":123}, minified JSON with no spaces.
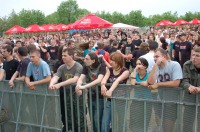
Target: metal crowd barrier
{"x":133,"y":108}
{"x":137,"y":109}
{"x":30,"y":110}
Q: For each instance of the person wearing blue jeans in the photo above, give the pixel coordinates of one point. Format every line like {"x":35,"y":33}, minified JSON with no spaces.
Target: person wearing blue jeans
{"x":95,"y":119}
{"x":93,"y":72}
{"x":116,"y":74}
{"x":106,"y":117}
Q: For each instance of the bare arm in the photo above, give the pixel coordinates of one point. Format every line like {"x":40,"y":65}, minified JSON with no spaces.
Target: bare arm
{"x":53,"y":81}
{"x":152,"y":76}
{"x":180,"y":56}
{"x":173,"y":52}
{"x":2,"y":73}
{"x":43,"y":49}
{"x":80,"y":80}
{"x":123,"y":76}
{"x":95,"y":82}
{"x":144,"y":83}
{"x":104,"y":81}
{"x":174,"y":83}
{"x":105,"y":78}
{"x":67,"y":82}
{"x":45,"y":80}
{"x":133,"y":77}
{"x":14,"y":76}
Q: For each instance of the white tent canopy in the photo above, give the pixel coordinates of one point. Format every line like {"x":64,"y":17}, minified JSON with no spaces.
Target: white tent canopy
{"x":123,"y":26}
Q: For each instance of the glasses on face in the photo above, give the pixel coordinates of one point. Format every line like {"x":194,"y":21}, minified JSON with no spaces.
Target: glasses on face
{"x":196,"y":55}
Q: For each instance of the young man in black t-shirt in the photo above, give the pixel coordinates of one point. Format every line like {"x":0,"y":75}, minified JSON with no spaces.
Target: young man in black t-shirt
{"x":53,"y":53}
{"x":176,"y":48}
{"x":20,"y":73}
{"x":185,"y":49}
{"x":10,"y":65}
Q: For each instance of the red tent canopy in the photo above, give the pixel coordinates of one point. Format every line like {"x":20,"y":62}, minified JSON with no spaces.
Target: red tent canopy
{"x":90,"y":21}
{"x":180,"y":22}
{"x":49,"y":28}
{"x":61,"y":27}
{"x":164,"y":23}
{"x":15,"y":29}
{"x":194,"y":21}
{"x":34,"y":28}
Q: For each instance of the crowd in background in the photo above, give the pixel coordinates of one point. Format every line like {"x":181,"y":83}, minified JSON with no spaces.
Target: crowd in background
{"x":152,"y":59}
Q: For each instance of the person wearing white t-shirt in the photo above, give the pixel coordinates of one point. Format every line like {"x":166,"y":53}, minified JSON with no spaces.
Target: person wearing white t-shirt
{"x":165,"y":73}
{"x":153,"y":45}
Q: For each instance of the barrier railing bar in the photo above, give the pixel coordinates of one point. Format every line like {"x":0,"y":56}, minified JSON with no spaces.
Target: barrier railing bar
{"x":72,"y":108}
{"x":18,"y":113}
{"x":97,"y":103}
{"x":90,"y":108}
{"x":84,"y":110}
{"x":78,"y":112}
{"x":125,"y":116}
{"x":43,"y":113}
{"x":196,"y":114}
{"x":35,"y":125}
{"x":66,"y":113}
{"x":145,"y":116}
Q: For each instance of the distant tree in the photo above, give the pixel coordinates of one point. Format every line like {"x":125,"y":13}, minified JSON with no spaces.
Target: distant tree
{"x":13,"y":19}
{"x":188,"y":16}
{"x":136,"y":18}
{"x":28,"y":17}
{"x":81,"y":13}
{"x":3,"y":24}
{"x":105,"y":15}
{"x":52,"y":18}
{"x":117,"y":17}
{"x":67,"y":11}
{"x":169,"y":16}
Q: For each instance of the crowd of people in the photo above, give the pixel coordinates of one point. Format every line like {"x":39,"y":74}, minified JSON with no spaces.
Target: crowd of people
{"x":163,"y":57}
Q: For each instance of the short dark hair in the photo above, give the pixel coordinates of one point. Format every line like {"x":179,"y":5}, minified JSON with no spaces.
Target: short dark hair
{"x":162,"y":40}
{"x":19,"y":41}
{"x":94,"y":57}
{"x":100,"y":45}
{"x":31,"y":47}
{"x":163,"y":52}
{"x":23,"y":51}
{"x":144,"y":46}
{"x":69,"y":51}
{"x":143,"y":61}
{"x":36,"y":51}
{"x":115,"y":43}
{"x":153,"y":45}
{"x":8,"y":48}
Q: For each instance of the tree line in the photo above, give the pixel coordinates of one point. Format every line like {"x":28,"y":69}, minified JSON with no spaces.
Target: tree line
{"x":69,"y":11}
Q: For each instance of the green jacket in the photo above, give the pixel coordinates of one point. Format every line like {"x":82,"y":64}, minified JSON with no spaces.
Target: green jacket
{"x":190,"y":75}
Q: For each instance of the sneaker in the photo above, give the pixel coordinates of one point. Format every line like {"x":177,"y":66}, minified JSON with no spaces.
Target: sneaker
{"x":3,"y":116}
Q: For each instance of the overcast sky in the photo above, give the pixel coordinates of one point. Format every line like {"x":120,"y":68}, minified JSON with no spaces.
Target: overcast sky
{"x":148,"y":7}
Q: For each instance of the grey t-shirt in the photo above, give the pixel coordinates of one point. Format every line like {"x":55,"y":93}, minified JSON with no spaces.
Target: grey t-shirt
{"x":171,"y":71}
{"x":65,"y":73}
